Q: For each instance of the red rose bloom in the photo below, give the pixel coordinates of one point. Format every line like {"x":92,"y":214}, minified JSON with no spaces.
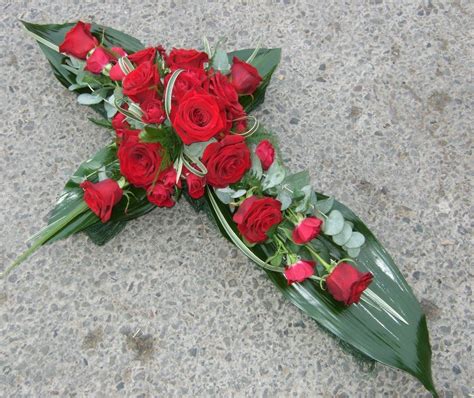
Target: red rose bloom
{"x":141,"y":83}
{"x":346,"y":283}
{"x":79,"y":41}
{"x":220,"y":86}
{"x":244,"y":77}
{"x":153,"y":111}
{"x":186,"y":59}
{"x":98,"y":60}
{"x":196,"y":185}
{"x":299,"y":271}
{"x":256,"y":216}
{"x":198,"y":117}
{"x":266,"y":153}
{"x":102,"y":197}
{"x":139,"y":161}
{"x":306,"y":230}
{"x":142,"y":56}
{"x":186,"y":81}
{"x":161,"y":195}
{"x":226,"y":161}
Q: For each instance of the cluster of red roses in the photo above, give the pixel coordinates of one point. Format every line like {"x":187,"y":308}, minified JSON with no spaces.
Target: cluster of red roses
{"x":204,"y":106}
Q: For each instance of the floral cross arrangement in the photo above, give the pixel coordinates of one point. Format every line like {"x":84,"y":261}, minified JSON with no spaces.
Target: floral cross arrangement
{"x":180,"y":125}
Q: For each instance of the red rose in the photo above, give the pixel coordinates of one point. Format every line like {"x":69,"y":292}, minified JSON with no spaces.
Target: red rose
{"x":168,"y":177}
{"x":161,"y":195}
{"x":153,"y":111}
{"x":142,"y":56}
{"x":256,"y":216}
{"x":346,"y":283}
{"x":220,"y":86}
{"x":196,"y":185}
{"x":102,"y":197}
{"x":119,"y":122}
{"x":198,"y":117}
{"x":307,"y":230}
{"x":118,"y":52}
{"x":186,"y":81}
{"x":244,"y":77}
{"x":186,"y":59}
{"x":266,"y":153}
{"x":226,"y":161}
{"x":116,"y":73}
{"x":300,"y":271}
{"x":98,"y":60}
{"x":139,"y":162}
{"x":79,"y":41}
{"x":141,"y":83}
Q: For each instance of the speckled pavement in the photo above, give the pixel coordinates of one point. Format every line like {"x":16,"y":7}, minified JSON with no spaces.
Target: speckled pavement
{"x":374,"y":97}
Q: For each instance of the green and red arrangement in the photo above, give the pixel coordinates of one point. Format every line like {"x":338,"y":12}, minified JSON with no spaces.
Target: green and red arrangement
{"x":180,"y":125}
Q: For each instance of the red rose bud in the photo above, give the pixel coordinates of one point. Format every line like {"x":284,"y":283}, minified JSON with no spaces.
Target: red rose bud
{"x":98,"y":61}
{"x":161,"y":195}
{"x":266,"y":153}
{"x":118,"y":52}
{"x":346,"y":283}
{"x":139,"y":161}
{"x":79,"y":41}
{"x":300,"y":271}
{"x":142,"y":56}
{"x":180,"y":58}
{"x":196,"y":185}
{"x":255,"y":217}
{"x":102,"y":197}
{"x":198,"y":117}
{"x":307,"y":230}
{"x":168,"y":177}
{"x":226,"y":161}
{"x":244,"y":77}
{"x":141,"y":83}
{"x":153,"y":111}
{"x":186,"y":81}
{"x":116,"y":73}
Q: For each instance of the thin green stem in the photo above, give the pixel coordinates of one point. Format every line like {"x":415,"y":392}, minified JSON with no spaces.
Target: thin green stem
{"x":46,"y":234}
{"x":327,"y":266}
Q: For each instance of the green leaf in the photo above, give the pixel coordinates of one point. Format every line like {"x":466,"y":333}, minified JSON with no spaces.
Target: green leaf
{"x":325,"y":205}
{"x":388,"y":324}
{"x":266,"y":61}
{"x":334,"y":224}
{"x":220,"y":61}
{"x":356,"y":240}
{"x":342,"y":237}
{"x":89,"y":99}
{"x":274,"y":176}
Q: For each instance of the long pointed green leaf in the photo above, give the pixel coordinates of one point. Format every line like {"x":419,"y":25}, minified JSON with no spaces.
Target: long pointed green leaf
{"x":388,"y":324}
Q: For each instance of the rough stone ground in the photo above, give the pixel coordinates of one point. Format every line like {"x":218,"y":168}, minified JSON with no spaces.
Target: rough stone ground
{"x":374,"y":97}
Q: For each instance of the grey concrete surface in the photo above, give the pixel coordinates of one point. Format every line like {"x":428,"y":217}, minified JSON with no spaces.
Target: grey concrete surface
{"x":374,"y":97}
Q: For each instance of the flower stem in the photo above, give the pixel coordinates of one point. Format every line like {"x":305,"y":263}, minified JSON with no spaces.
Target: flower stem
{"x":328,"y":267}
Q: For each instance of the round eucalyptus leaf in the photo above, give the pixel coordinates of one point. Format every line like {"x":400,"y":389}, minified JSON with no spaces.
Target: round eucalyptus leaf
{"x":356,"y":240}
{"x":334,"y":224}
{"x":343,"y":237}
{"x":353,"y":252}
